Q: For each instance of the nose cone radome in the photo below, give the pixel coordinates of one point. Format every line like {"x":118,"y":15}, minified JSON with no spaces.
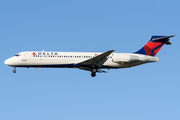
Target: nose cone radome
{"x":8,"y":62}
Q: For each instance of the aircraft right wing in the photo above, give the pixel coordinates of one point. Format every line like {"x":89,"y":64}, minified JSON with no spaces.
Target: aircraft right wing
{"x":98,"y":60}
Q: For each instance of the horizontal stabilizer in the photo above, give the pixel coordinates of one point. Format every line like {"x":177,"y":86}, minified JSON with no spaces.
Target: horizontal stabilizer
{"x":167,"y":43}
{"x":164,"y":39}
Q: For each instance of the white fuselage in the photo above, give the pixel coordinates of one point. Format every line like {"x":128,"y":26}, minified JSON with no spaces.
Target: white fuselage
{"x":71,"y":59}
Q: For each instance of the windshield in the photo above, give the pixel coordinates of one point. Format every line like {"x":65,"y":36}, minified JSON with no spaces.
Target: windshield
{"x":17,"y":54}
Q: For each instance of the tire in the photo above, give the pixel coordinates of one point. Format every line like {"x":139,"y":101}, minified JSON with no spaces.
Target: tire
{"x":93,"y":74}
{"x":14,"y":71}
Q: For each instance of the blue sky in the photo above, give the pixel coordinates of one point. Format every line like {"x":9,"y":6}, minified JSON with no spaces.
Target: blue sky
{"x":149,"y":91}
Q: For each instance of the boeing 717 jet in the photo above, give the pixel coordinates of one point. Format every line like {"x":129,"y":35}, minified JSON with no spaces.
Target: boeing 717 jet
{"x":90,"y":61}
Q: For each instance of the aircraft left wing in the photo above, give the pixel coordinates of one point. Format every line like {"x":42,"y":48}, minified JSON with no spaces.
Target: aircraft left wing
{"x":98,"y":60}
{"x":89,"y":69}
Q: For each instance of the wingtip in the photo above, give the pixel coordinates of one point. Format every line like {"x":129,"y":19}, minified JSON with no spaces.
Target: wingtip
{"x":172,"y":35}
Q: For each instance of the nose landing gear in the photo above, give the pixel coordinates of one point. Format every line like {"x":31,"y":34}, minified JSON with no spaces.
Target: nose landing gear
{"x":14,"y":71}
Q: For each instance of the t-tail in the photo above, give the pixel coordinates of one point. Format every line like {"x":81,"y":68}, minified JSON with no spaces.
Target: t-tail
{"x":155,"y":43}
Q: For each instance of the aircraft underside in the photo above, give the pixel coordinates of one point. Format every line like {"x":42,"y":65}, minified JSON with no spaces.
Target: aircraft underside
{"x":90,"y":68}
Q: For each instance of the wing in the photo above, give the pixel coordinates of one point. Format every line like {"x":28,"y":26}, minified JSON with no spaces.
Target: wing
{"x":97,"y":61}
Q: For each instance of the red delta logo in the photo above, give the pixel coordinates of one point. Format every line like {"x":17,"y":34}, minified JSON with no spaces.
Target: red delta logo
{"x":33,"y":53}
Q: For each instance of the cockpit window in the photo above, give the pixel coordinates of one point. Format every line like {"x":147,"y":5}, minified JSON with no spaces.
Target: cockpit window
{"x":17,"y":54}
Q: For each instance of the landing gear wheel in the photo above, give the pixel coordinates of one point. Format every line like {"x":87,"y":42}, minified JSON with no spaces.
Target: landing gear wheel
{"x":93,"y":74}
{"x":14,"y":71}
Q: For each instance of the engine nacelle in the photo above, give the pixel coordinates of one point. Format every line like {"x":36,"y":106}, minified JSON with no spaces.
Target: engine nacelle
{"x":124,"y":58}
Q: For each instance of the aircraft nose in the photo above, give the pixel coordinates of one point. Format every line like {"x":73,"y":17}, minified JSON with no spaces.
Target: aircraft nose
{"x":8,"y":62}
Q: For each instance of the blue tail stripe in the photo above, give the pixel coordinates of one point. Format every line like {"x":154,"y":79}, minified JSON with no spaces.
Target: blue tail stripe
{"x":156,"y":49}
{"x":141,"y":51}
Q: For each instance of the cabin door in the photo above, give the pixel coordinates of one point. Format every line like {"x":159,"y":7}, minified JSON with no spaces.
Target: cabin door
{"x":24,"y":57}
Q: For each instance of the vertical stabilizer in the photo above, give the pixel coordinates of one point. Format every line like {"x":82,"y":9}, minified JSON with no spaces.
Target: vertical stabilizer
{"x":153,"y":46}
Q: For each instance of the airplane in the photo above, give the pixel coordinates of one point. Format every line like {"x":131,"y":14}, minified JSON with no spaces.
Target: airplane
{"x":90,"y":61}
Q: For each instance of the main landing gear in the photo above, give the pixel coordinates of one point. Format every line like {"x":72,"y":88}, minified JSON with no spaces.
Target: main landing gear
{"x":93,"y":72}
{"x":14,"y":71}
